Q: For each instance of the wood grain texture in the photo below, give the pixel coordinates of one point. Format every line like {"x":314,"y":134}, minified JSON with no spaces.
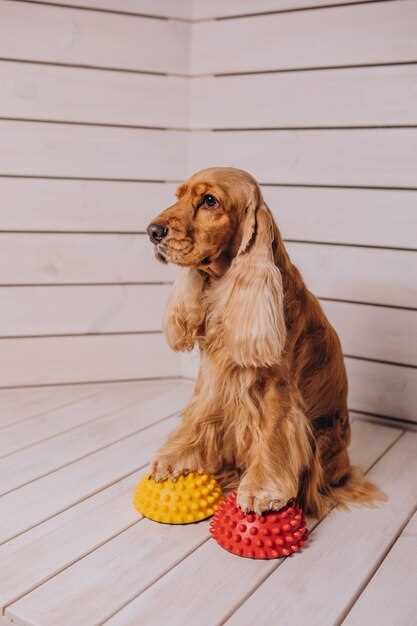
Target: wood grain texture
{"x":365,"y":157}
{"x":375,"y":332}
{"x":163,"y":8}
{"x":55,"y":360}
{"x":382,"y":388}
{"x":43,"y":92}
{"x":39,"y":32}
{"x":219,"y":8}
{"x":365,"y":331}
{"x":26,"y":507}
{"x":109,"y":513}
{"x":64,"y":150}
{"x":65,"y":518}
{"x":102,"y":401}
{"x":32,"y":204}
{"x":196,"y":586}
{"x":82,"y":310}
{"x":108,"y":419}
{"x":383,"y":33}
{"x":69,"y":514}
{"x":350,"y":97}
{"x":132,"y":561}
{"x":17,"y":405}
{"x":356,"y":216}
{"x":361,"y":274}
{"x":392,"y":587}
{"x":72,"y":258}
{"x":360,"y":552}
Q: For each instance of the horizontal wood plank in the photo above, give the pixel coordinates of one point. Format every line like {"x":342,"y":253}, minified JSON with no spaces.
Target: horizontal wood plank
{"x":196,"y":586}
{"x":162,"y":8}
{"x":382,"y":389}
{"x":32,"y":204}
{"x":42,"y":92}
{"x":69,"y":514}
{"x":17,"y":405}
{"x":39,"y":32}
{"x":392,"y":587}
{"x":362,"y":216}
{"x":71,"y":258}
{"x":363,"y":157}
{"x":219,"y":8}
{"x":361,"y":551}
{"x":107,"y":514}
{"x":26,"y":507}
{"x":383,"y":33}
{"x":80,"y":310}
{"x":54,"y":360}
{"x":369,"y":96}
{"x":357,"y":216}
{"x":373,"y":332}
{"x":132,"y":561}
{"x":102,"y":401}
{"x":359,"y":274}
{"x":64,"y":150}
{"x":102,"y":426}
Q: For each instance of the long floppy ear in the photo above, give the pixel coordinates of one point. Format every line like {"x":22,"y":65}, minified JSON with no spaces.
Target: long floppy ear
{"x":184,"y":314}
{"x":249,"y":298}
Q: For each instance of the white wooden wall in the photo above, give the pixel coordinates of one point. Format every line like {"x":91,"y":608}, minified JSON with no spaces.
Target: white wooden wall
{"x":90,"y":104}
{"x":319,"y":102}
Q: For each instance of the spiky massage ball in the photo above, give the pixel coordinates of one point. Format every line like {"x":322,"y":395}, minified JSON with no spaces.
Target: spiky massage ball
{"x":269,"y":536}
{"x":187,"y":499}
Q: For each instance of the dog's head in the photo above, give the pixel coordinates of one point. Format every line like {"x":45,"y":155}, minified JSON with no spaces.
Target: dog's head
{"x":221,"y":226}
{"x":213,"y":219}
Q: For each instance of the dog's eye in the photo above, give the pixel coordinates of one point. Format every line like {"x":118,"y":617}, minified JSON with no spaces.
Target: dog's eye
{"x":210,"y":200}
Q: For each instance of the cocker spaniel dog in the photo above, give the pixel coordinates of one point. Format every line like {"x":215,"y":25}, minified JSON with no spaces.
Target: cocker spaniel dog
{"x":269,"y":406}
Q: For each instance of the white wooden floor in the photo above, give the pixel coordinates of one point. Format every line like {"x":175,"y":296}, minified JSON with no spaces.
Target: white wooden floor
{"x":74,"y":552}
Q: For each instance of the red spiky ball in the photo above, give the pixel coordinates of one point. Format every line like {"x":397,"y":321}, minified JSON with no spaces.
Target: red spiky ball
{"x":269,"y":536}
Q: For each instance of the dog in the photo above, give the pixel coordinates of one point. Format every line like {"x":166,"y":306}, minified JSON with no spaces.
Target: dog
{"x":269,"y":408}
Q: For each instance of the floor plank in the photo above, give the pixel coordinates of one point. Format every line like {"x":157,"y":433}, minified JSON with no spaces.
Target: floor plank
{"x":196,"y":584}
{"x":101,"y":401}
{"x":393,"y":588}
{"x":114,"y":422}
{"x":17,"y":405}
{"x":85,"y":538}
{"x":127,"y":564}
{"x":29,"y":566}
{"x":23,"y":508}
{"x":348,"y":546}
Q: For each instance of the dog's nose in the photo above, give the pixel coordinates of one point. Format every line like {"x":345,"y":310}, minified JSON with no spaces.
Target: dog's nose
{"x":157,"y":232}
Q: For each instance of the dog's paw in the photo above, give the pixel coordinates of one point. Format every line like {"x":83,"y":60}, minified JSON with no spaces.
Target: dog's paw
{"x":164,"y":467}
{"x":258,"y":500}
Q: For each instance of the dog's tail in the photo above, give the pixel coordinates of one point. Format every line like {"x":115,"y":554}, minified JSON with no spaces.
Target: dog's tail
{"x":355,"y":489}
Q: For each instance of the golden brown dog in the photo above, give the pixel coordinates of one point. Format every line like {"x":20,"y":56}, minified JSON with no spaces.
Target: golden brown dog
{"x":269,"y":404}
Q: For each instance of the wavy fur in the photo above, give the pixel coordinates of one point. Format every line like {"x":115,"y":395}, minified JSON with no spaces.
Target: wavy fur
{"x":269,"y":410}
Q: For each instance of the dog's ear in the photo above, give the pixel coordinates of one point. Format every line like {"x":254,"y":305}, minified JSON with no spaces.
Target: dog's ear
{"x":184,"y":314}
{"x":250,"y":296}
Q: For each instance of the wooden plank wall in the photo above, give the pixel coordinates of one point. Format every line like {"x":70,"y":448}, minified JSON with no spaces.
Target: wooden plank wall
{"x":94,"y":138}
{"x":91,"y":111}
{"x":319,"y":101}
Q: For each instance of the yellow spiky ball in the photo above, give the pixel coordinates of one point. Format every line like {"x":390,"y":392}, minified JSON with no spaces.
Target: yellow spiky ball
{"x":188,"y":499}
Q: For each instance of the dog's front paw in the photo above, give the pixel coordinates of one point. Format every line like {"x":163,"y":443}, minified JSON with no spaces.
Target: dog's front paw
{"x":259,"y":500}
{"x":163,"y":467}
